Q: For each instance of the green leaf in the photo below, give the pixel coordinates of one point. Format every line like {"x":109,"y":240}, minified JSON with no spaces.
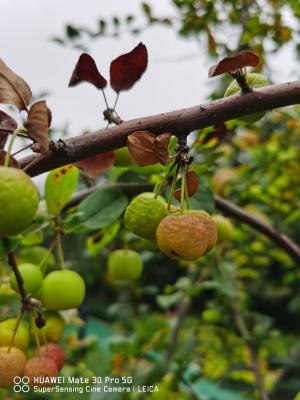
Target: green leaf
{"x":203,"y":199}
{"x":100,"y":240}
{"x":59,"y":187}
{"x":102,"y":208}
{"x":210,"y":391}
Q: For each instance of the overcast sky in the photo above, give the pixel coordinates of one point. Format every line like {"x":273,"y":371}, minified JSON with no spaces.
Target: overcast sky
{"x":27,"y":26}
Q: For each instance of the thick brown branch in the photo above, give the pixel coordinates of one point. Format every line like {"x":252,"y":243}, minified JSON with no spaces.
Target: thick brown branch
{"x":176,"y":122}
{"x":228,"y":208}
{"x":280,"y":239}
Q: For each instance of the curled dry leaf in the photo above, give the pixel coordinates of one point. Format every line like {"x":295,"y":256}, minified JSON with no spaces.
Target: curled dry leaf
{"x":147,"y":149}
{"x":13,"y":89}
{"x":229,"y":64}
{"x":38,"y":122}
{"x":95,"y":165}
{"x":7,"y":125}
{"x":192,"y":183}
{"x":128,"y":68}
{"x":12,"y":161}
{"x":86,"y":71}
{"x":161,"y":145}
{"x":141,"y":148}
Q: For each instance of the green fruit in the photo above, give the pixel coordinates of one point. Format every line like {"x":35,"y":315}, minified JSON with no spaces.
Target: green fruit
{"x":124,"y":265}
{"x":36,"y":255}
{"x":62,"y":290}
{"x":32,"y":277}
{"x":225,"y":228}
{"x":122,"y":157}
{"x":144,"y":213}
{"x":211,"y":316}
{"x":53,"y":329}
{"x":255,"y":81}
{"x":19,"y":199}
{"x":7,"y":295}
{"x":22,"y":337}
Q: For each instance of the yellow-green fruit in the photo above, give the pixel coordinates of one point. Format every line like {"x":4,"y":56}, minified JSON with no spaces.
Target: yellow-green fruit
{"x":36,"y":255}
{"x":53,"y":329}
{"x":32,"y":277}
{"x":211,"y":316}
{"x":211,"y":227}
{"x":255,"y":81}
{"x":144,"y":213}
{"x":19,"y":199}
{"x":11,"y":365}
{"x":182,"y":236}
{"x":22,"y":337}
{"x":124,"y":265}
{"x":225,"y":228}
{"x":122,"y":157}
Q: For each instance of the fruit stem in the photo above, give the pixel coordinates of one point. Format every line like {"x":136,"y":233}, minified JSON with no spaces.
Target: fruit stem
{"x":18,"y":321}
{"x":36,"y":336}
{"x":173,"y":186}
{"x":183,"y":185}
{"x":9,"y":148}
{"x":105,"y":99}
{"x":187,"y":199}
{"x":60,"y":252}
{"x":50,"y":251}
{"x":161,"y":184}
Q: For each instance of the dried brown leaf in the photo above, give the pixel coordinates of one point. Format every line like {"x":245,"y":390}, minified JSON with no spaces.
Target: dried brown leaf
{"x":7,"y":125}
{"x":95,"y":165}
{"x":128,"y":68}
{"x":141,"y":148}
{"x":38,"y":122}
{"x":12,"y":161}
{"x":161,"y":145}
{"x":86,"y":71}
{"x":13,"y":89}
{"x":230,"y":64}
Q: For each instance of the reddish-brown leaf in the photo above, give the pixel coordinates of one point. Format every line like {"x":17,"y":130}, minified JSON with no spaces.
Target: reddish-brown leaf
{"x":230,"y":64}
{"x":12,"y":161}
{"x":161,"y":144}
{"x":13,"y":89}
{"x":7,"y":125}
{"x":192,"y":183}
{"x":86,"y":71}
{"x":128,"y":68}
{"x":95,"y":165}
{"x":141,"y":148}
{"x":38,"y":122}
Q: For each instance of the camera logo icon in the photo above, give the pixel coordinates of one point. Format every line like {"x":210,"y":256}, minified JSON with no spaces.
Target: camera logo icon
{"x":21,"y":384}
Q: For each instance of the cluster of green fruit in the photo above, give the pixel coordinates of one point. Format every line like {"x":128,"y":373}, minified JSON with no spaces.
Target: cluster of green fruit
{"x":59,"y":290}
{"x":20,"y":360}
{"x":188,"y":235}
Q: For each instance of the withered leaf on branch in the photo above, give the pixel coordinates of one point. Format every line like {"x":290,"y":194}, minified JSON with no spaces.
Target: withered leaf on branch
{"x":192,"y":183}
{"x":95,"y":165}
{"x":38,"y":122}
{"x":128,"y":68}
{"x":146,"y":149}
{"x":86,"y":71}
{"x":7,"y":125}
{"x":229,"y":64}
{"x":12,"y":161}
{"x":141,"y":148}
{"x":161,"y":148}
{"x":13,"y":89}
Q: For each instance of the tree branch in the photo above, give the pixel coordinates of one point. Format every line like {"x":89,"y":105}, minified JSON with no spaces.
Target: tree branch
{"x":176,"y":122}
{"x":228,"y":208}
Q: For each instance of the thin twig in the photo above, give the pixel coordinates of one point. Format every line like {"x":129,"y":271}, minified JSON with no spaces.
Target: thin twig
{"x":241,"y":324}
